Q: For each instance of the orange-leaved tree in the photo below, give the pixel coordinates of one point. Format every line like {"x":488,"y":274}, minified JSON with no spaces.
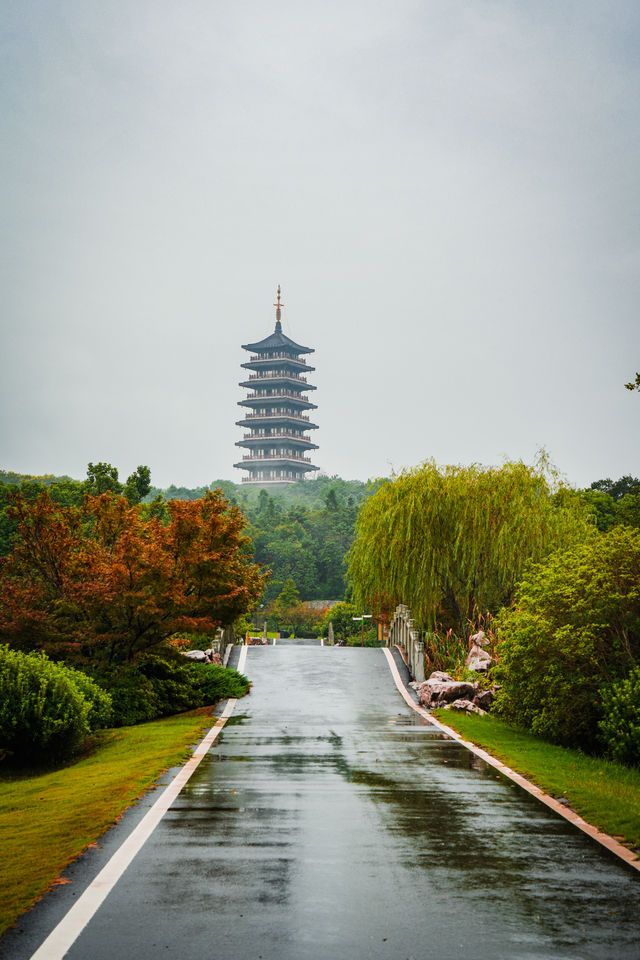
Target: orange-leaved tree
{"x":106,"y":582}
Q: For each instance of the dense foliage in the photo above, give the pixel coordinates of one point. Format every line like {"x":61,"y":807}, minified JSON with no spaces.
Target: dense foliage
{"x":159,"y":685}
{"x":46,"y":709}
{"x":574,"y":627}
{"x":620,"y":724}
{"x":106,"y":581}
{"x":101,"y":478}
{"x":613,"y":501}
{"x":304,"y":533}
{"x":342,"y":617}
{"x":452,"y":541}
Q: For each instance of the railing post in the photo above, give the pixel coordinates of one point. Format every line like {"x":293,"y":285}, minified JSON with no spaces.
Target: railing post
{"x":419,"y":668}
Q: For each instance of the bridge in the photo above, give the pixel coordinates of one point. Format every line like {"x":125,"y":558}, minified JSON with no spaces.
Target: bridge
{"x":330,"y":821}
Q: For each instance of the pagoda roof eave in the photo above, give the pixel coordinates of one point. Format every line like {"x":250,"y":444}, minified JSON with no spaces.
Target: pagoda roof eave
{"x":274,"y":419}
{"x":258,"y":364}
{"x":266,"y":440}
{"x":277,"y":340}
{"x":262,"y":463}
{"x":266,"y":381}
{"x":296,"y":401}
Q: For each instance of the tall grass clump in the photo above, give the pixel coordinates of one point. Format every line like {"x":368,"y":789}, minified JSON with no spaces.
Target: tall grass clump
{"x":444,"y":651}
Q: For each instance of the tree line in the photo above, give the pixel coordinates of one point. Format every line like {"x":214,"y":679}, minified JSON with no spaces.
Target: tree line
{"x":551,"y":573}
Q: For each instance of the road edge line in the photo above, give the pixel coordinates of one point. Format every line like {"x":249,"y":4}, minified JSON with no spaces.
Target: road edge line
{"x":67,"y":931}
{"x":604,"y":839}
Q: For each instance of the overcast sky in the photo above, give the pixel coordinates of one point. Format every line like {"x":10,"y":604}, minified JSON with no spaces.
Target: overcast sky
{"x":447,"y":191}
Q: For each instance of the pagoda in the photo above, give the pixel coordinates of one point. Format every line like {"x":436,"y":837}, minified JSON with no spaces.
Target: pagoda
{"x":276,"y":417}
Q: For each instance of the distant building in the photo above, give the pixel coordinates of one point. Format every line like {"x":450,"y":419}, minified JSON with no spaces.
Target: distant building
{"x":276,"y":418}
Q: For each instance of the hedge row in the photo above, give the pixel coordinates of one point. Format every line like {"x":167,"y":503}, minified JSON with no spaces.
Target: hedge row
{"x":158,"y":686}
{"x":48,"y":709}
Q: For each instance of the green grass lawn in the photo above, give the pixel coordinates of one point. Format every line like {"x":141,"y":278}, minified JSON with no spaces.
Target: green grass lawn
{"x":604,"y":793}
{"x":48,"y":818}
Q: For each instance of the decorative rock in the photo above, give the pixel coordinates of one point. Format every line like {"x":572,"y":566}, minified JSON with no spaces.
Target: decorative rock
{"x":465,"y":705}
{"x":444,"y":691}
{"x":198,"y":656}
{"x":484,"y":699}
{"x":480,"y":639}
{"x":478,"y":659}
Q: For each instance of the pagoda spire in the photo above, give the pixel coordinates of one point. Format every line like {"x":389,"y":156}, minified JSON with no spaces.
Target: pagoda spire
{"x":278,"y":314}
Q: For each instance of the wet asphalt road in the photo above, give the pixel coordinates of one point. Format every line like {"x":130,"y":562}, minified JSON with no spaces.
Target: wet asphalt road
{"x":330,"y":821}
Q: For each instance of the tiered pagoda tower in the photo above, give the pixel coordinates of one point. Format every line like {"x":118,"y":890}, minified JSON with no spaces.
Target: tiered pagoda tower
{"x":276,"y":418}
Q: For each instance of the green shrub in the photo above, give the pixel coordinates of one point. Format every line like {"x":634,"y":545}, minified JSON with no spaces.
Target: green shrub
{"x":574,"y":626}
{"x":43,"y":712}
{"x":217,"y":683}
{"x":620,"y":726}
{"x":159,"y":686}
{"x":100,"y":704}
{"x":341,"y":616}
{"x":133,"y":696}
{"x":370,"y":638}
{"x":173,"y":681}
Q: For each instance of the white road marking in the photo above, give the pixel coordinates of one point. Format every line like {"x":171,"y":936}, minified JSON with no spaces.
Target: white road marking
{"x":242,"y":659}
{"x":73,"y":923}
{"x":602,"y":838}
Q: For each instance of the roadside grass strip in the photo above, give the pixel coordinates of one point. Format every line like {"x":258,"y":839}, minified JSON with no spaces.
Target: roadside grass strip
{"x":48,"y":818}
{"x":605,"y":793}
{"x":609,"y":814}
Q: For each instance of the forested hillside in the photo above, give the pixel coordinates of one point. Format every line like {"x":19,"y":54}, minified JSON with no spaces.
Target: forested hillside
{"x":300,"y":532}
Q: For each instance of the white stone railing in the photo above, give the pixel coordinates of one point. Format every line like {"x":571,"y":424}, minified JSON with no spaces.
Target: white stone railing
{"x":403,"y":634}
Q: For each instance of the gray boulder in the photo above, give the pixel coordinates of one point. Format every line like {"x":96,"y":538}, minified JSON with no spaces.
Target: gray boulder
{"x":478,"y":659}
{"x":435,"y":692}
{"x":440,"y":675}
{"x":480,"y":639}
{"x":466,"y":705}
{"x":484,"y":699}
{"x":198,"y":656}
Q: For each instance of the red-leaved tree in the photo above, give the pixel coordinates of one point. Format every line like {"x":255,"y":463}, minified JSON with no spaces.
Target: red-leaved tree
{"x":106,"y":582}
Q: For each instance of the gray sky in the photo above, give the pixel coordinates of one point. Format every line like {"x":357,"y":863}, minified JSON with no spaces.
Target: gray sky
{"x":447,"y":191}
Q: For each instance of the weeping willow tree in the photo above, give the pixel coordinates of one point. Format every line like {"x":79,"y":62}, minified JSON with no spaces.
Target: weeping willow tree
{"x":451,"y":542}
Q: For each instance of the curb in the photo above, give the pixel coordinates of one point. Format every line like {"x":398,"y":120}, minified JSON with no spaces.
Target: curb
{"x":604,"y":839}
